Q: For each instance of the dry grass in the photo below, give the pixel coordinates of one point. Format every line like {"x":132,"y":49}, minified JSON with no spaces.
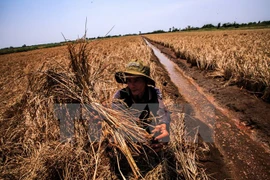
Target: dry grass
{"x":33,"y":144}
{"x":240,"y":56}
{"x":184,"y":147}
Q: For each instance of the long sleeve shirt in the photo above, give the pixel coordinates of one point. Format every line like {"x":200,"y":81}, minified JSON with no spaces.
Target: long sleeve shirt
{"x":151,"y":102}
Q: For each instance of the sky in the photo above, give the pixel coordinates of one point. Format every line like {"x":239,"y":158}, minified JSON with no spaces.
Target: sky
{"x":33,"y":22}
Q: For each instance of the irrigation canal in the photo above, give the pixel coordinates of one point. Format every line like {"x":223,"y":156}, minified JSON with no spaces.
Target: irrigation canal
{"x":244,"y":158}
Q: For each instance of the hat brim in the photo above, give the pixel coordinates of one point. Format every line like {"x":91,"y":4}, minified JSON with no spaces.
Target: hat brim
{"x":121,"y":77}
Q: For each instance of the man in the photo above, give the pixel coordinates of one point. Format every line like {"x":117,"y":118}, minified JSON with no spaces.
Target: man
{"x":141,"y":94}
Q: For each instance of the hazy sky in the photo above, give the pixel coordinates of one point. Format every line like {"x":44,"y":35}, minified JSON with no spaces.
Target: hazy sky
{"x":42,"y":21}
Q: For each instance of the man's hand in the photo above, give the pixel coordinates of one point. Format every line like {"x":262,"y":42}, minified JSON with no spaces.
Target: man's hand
{"x":163,"y":134}
{"x":162,"y":131}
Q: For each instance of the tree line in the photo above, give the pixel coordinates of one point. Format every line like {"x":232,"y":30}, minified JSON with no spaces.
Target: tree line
{"x":218,"y":26}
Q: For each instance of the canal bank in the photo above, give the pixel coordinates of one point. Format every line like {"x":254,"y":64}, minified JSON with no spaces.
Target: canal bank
{"x":243,"y":156}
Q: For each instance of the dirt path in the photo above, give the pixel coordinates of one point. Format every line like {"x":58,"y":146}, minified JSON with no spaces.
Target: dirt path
{"x":240,"y":132}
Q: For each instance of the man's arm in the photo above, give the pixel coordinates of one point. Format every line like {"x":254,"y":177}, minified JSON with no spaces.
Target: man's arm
{"x":164,"y":120}
{"x":163,"y":113}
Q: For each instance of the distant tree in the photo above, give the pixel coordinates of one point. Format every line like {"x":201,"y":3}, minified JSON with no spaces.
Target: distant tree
{"x":266,"y":22}
{"x":157,"y":31}
{"x":236,"y":25}
{"x":227,"y":25}
{"x":170,"y":29}
{"x":24,"y":45}
{"x":140,"y":32}
{"x":189,"y":28}
{"x":208,"y":26}
{"x":244,"y":24}
{"x":218,"y":26}
{"x":251,"y":23}
{"x":174,"y":29}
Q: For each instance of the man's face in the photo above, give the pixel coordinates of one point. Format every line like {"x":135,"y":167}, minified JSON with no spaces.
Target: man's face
{"x":136,"y":85}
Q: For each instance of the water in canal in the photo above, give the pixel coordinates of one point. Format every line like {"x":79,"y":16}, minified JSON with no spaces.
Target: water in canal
{"x":203,"y":114}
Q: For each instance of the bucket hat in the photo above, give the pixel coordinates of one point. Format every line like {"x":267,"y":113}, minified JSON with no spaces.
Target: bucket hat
{"x":134,"y":68}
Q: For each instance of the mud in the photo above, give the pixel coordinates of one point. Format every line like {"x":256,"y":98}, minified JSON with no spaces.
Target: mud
{"x":241,"y":132}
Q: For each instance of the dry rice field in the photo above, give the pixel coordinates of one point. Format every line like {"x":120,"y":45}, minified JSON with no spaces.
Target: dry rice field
{"x":31,"y":83}
{"x":83,"y":72}
{"x":240,"y":56}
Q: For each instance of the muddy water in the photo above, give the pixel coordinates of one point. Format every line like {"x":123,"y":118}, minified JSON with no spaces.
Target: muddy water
{"x":204,"y":111}
{"x":244,"y":158}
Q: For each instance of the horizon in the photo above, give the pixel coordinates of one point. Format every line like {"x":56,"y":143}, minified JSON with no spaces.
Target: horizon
{"x":120,"y":35}
{"x":42,"y":22}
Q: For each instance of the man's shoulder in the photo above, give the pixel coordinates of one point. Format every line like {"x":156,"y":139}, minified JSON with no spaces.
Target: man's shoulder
{"x":157,"y":92}
{"x":120,"y":93}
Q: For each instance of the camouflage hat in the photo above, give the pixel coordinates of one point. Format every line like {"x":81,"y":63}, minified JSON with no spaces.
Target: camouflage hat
{"x":134,"y":68}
